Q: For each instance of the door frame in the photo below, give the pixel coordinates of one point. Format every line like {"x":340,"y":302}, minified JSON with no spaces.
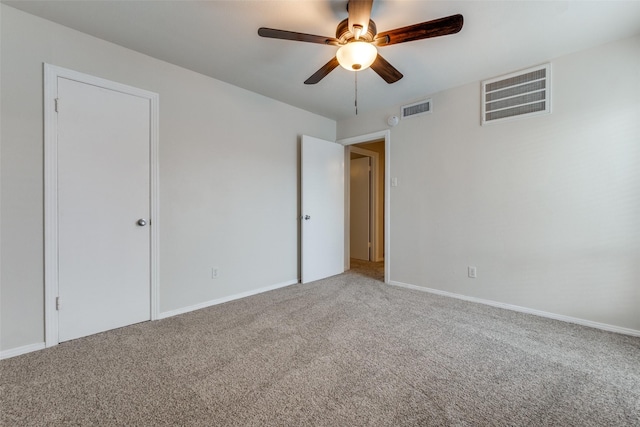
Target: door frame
{"x":51,"y":75}
{"x":371,"y":137}
{"x":373,"y":200}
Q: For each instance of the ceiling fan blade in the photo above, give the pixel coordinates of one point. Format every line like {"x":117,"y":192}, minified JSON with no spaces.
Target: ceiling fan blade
{"x":359,"y":14}
{"x":322,"y":72}
{"x":436,"y":28}
{"x":292,"y":35}
{"x":386,"y":70}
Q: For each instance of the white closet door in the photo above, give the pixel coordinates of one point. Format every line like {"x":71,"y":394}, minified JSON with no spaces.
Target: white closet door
{"x":103,"y":209}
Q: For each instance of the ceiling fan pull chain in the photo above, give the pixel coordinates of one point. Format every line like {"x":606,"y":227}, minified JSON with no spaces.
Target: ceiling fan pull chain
{"x":356,"y":73}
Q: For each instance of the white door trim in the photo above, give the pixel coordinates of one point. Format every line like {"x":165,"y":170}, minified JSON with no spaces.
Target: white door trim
{"x":386,"y":135}
{"x":51,"y":75}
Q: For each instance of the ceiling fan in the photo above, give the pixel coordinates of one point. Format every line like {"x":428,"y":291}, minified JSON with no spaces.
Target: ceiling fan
{"x":358,"y":38}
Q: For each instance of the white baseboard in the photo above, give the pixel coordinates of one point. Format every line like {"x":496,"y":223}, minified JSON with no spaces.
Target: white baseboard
{"x":205,"y":304}
{"x":5,"y":354}
{"x":578,"y":321}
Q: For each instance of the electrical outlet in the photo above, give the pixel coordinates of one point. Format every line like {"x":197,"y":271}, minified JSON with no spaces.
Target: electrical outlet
{"x":214,"y":272}
{"x":471,"y":270}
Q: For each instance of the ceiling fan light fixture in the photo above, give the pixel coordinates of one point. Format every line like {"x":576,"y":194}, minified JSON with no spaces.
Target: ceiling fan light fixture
{"x":357,"y":55}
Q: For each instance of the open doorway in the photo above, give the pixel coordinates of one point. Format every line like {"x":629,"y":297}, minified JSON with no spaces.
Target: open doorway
{"x":366,"y":208}
{"x":384,"y":175}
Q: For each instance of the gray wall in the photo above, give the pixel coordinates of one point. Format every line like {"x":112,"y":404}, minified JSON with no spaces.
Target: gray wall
{"x":228,"y":174}
{"x":547,"y":208}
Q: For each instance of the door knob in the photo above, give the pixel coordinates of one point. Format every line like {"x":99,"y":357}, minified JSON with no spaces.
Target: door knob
{"x":142,"y":222}
{"x":307,"y":217}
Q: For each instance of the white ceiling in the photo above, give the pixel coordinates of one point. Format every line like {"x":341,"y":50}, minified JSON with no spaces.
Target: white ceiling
{"x":219,"y":39}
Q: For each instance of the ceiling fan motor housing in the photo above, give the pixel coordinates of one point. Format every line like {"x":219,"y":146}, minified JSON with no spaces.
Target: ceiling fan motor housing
{"x":345,"y":35}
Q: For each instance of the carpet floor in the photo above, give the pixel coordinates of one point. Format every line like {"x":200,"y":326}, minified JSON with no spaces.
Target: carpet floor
{"x":343,"y":351}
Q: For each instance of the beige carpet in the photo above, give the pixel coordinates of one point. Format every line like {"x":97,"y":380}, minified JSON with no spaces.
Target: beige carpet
{"x":373,"y":270}
{"x":344,"y":351}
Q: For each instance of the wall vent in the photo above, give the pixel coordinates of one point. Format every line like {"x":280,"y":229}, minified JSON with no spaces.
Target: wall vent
{"x":515,"y":95}
{"x":416,"y":109}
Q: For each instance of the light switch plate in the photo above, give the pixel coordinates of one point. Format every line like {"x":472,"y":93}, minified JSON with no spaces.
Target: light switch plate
{"x":472,"y":272}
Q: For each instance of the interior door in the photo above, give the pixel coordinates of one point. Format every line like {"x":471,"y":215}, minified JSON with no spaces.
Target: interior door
{"x":360,"y":203}
{"x":323,"y":216}
{"x":103,"y":209}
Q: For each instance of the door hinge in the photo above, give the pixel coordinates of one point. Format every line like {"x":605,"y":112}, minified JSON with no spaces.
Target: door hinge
{"x":57,"y":103}
{"x":57,"y":303}
{"x":369,"y":244}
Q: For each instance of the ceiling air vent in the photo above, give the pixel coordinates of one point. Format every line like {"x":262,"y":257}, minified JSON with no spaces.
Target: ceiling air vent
{"x":416,"y":109}
{"x":524,"y":93}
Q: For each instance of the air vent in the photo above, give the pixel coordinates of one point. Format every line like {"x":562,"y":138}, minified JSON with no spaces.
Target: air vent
{"x":416,"y":109}
{"x":524,"y":93}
